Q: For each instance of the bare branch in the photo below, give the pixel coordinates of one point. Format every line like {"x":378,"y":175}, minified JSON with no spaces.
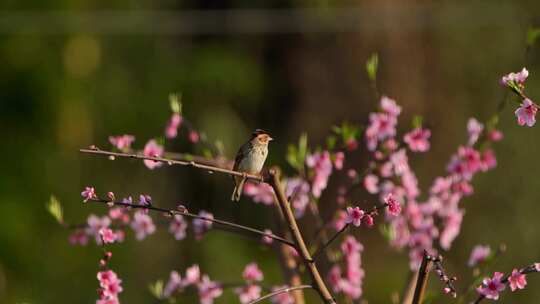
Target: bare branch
{"x":280,"y":291}
{"x":422,"y":279}
{"x":323,"y":247}
{"x":319,"y":284}
{"x":171,"y":161}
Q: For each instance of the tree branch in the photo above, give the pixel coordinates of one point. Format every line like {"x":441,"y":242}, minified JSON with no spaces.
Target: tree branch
{"x":170,"y":161}
{"x":323,"y":247}
{"x":422,"y":279}
{"x":318,"y":282}
{"x":191,"y":215}
{"x":280,"y":291}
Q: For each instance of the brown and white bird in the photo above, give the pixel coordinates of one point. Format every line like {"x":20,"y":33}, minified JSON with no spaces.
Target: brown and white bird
{"x":250,"y":159}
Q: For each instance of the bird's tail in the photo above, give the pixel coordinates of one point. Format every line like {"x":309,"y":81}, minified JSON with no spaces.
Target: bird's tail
{"x":238,"y":189}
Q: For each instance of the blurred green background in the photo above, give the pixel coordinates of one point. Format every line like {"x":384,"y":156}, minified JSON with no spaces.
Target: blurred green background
{"x":74,"y":72}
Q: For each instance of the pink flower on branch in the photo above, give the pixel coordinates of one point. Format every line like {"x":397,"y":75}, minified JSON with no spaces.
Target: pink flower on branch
{"x":89,"y":193}
{"x":354,"y":216}
{"x":152,"y":149}
{"x":517,"y":280}
{"x":479,"y":254}
{"x":110,"y":286}
{"x":252,"y":273}
{"x":200,"y":225}
{"x":418,"y":140}
{"x":208,"y":290}
{"x":122,"y":142}
{"x":491,"y":287}
{"x":107,"y":235}
{"x":143,"y":225}
{"x":517,"y":79}
{"x":394,"y":207}
{"x":171,"y":131}
{"x":475,"y":128}
{"x":248,"y":293}
{"x":178,"y":227}
{"x":526,"y":114}
{"x":173,"y":285}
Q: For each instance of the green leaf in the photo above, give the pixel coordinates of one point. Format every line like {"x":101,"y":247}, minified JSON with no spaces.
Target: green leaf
{"x":372,"y":66}
{"x":331,"y":142}
{"x":417,"y":121}
{"x":296,"y":155}
{"x":55,"y":209}
{"x":156,"y":289}
{"x":387,"y":232}
{"x":175,"y":100}
{"x":532,"y":35}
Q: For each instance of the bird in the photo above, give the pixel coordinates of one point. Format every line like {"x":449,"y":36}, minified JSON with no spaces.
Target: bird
{"x":250,"y":159}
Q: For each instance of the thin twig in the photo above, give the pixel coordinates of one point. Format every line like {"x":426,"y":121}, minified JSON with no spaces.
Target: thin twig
{"x":422,"y":279}
{"x":280,"y":291}
{"x":323,"y":247}
{"x":170,"y":161}
{"x":191,"y":215}
{"x":318,"y":282}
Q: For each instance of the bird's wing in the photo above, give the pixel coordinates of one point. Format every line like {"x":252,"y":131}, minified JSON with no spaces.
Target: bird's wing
{"x":240,"y":155}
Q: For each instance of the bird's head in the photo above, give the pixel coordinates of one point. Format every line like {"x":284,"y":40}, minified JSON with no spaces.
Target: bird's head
{"x":262,"y":137}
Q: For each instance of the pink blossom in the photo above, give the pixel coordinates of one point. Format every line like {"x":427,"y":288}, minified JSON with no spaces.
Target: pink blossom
{"x":518,"y":78}
{"x":352,"y":144}
{"x":78,"y":237}
{"x":152,"y":149}
{"x":492,"y":286}
{"x":479,"y":254}
{"x":193,"y":275}
{"x":334,"y":278}
{"x":174,"y":284}
{"x":298,"y":190}
{"x":390,"y":106}
{"x":370,"y":183}
{"x":394,"y":207}
{"x":259,"y":192}
{"x":282,"y":298}
{"x":322,"y":165}
{"x":340,"y":220}
{"x":193,"y":136}
{"x":95,"y":224}
{"x":418,"y":140}
{"x":339,"y":158}
{"x":110,"y":286}
{"x":89,"y":193}
{"x":107,"y":235}
{"x":200,"y":226}
{"x":526,"y":114}
{"x":354,"y":216}
{"x":537,"y":266}
{"x":452,"y":226}
{"x":248,"y":293}
{"x":120,"y":214}
{"x":266,"y":239}
{"x":368,"y":220}
{"x":381,"y":126}
{"x":178,"y":227}
{"x":171,"y":131}
{"x":489,"y":161}
{"x":143,"y":225}
{"x":122,"y":142}
{"x":252,"y":273}
{"x":517,"y":280}
{"x":495,"y":135}
{"x":475,"y":128}
{"x":208,"y":290}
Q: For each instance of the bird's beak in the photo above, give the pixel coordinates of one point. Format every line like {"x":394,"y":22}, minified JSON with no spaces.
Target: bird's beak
{"x":270,"y":138}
